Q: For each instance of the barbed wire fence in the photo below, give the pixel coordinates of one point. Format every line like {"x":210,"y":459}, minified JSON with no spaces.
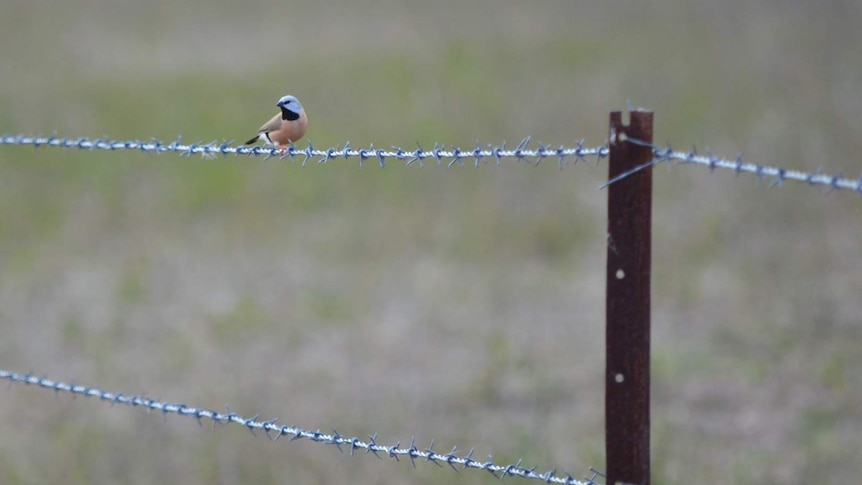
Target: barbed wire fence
{"x":441,"y":155}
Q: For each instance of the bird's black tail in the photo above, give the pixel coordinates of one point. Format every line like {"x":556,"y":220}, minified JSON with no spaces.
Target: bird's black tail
{"x":252,"y":140}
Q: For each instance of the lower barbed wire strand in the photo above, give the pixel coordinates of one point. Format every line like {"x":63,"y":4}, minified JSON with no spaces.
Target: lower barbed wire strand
{"x":276,"y":431}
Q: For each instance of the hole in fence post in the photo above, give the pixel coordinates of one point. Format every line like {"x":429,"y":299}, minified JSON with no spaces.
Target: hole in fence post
{"x":627,"y":337}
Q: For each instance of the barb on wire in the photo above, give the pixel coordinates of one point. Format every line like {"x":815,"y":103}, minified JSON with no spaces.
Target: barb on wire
{"x":449,"y":157}
{"x":275,"y":431}
{"x":777,"y":174}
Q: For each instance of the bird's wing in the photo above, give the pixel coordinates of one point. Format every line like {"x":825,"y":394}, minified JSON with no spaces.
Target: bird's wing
{"x":271,"y":125}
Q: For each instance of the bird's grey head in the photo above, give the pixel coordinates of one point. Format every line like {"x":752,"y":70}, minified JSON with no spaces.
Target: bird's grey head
{"x":290,"y":107}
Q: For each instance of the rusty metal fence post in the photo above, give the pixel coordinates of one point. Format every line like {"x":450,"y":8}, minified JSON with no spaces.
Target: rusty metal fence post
{"x":627,"y":344}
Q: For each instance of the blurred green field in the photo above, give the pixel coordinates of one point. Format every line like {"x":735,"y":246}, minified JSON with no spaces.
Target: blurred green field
{"x":464,"y":305}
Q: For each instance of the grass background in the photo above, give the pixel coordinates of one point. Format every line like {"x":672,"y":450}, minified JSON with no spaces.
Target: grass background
{"x":463,"y":305}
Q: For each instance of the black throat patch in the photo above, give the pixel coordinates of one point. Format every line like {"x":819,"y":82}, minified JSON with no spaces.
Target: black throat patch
{"x":289,"y":115}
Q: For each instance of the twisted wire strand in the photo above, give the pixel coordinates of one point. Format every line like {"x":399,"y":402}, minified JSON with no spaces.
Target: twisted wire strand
{"x":448,"y":156}
{"x":275,"y":431}
{"x":439,"y":153}
{"x":778,"y":174}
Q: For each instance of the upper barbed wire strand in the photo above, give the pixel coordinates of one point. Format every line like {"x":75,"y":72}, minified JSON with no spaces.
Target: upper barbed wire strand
{"x":276,"y":431}
{"x":777,"y":174}
{"x":449,"y":156}
{"x":439,"y":153}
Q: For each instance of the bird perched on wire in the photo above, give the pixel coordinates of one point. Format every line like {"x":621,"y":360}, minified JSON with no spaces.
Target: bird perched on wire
{"x":286,"y":127}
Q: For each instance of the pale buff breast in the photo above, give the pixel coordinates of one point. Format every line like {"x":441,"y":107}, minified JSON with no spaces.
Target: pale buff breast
{"x":290,"y":131}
